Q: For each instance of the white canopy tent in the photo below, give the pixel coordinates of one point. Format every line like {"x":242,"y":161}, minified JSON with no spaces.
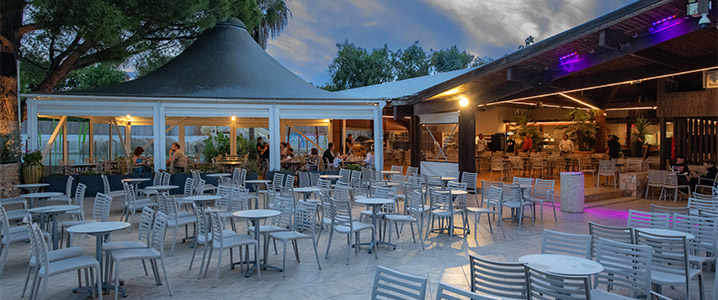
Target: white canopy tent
{"x":223,"y":74}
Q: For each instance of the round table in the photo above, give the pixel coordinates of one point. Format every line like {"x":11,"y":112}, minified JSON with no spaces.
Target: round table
{"x":40,"y":197}
{"x":387,"y":173}
{"x":562,"y":264}
{"x":666,"y":232}
{"x":101,"y":231}
{"x":330,"y":176}
{"x":162,"y":188}
{"x":136,"y":183}
{"x":446,"y":179}
{"x":203,"y":199}
{"x":219,"y":175}
{"x":255,"y":183}
{"x":254,"y":216}
{"x":305,"y":191}
{"x":31,"y":187}
{"x":51,"y":213}
{"x":374,"y":203}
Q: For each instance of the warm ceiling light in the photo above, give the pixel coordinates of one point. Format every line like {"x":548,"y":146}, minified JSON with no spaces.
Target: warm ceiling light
{"x":463,"y":102}
{"x":449,"y":92}
{"x":234,"y":118}
{"x":128,"y":117}
{"x":578,"y":101}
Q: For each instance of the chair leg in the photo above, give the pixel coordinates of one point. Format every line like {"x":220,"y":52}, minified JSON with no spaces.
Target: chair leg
{"x":99,"y":282}
{"x":27,"y":280}
{"x":553,"y":204}
{"x":117,"y":279}
{"x":256,"y":261}
{"x":174,"y":240}
{"x":329,"y":244}
{"x":316,"y":253}
{"x":219,"y":265}
{"x":164,"y":272}
{"x":284,"y":260}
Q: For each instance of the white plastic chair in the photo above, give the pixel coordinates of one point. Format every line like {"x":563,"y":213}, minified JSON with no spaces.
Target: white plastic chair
{"x":497,"y":164}
{"x":617,"y":234}
{"x":669,"y":264}
{"x":415,"y":214}
{"x":470,"y":179}
{"x":304,"y":222}
{"x":390,"y":284}
{"x":221,"y":242}
{"x":637,"y":219}
{"x":506,"y":280}
{"x":100,"y":213}
{"x":107,"y":190}
{"x":67,"y":197}
{"x":555,"y":242}
{"x":543,"y":192}
{"x":703,"y":247}
{"x":626,"y":267}
{"x":544,"y":285}
{"x":144,"y":232}
{"x":175,"y":219}
{"x":607,"y":168}
{"x":442,"y":207}
{"x":134,"y":204}
{"x":513,"y":199}
{"x":671,"y":183}
{"x":494,"y":203}
{"x":9,"y":235}
{"x":448,"y":292}
{"x":154,"y":252}
{"x":343,"y":223}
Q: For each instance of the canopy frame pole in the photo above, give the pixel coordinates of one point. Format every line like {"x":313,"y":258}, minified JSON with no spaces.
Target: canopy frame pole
{"x":120,"y":137}
{"x":232,"y":138}
{"x":378,"y":137}
{"x":274,"y":155}
{"x":32,"y":132}
{"x":159,"y":134}
{"x":54,"y":135}
{"x":65,"y":143}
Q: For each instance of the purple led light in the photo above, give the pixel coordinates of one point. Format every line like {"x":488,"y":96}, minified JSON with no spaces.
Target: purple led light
{"x":664,"y":20}
{"x":568,"y":56}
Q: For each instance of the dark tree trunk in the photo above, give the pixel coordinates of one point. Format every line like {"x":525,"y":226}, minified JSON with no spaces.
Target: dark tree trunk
{"x":10,"y":23}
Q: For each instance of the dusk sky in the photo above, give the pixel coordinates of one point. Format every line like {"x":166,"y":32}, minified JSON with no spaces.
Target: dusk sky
{"x":481,"y":27}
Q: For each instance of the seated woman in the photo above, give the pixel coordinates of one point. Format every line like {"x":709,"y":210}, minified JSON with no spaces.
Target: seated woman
{"x":137,"y":159}
{"x":313,"y":160}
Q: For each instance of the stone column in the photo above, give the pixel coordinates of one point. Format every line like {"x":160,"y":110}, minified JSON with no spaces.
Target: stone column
{"x":572,"y":189}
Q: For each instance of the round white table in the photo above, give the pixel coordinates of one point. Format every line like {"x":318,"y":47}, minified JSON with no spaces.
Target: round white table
{"x":666,"y":232}
{"x":31,"y":187}
{"x":50,"y":212}
{"x":330,"y":176}
{"x":306,"y":191}
{"x":136,"y":182}
{"x":387,"y":173}
{"x":454,"y":192}
{"x":203,"y":200}
{"x":255,"y":183}
{"x":446,"y":179}
{"x":375,"y":203}
{"x":254,"y":216}
{"x":562,"y":264}
{"x":162,"y":188}
{"x":40,"y":197}
{"x":101,"y":231}
{"x":219,"y":175}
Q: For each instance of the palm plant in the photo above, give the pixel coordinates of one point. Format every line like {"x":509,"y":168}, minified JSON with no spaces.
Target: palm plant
{"x":524,"y":124}
{"x":582,"y":128}
{"x":641,"y":128}
{"x":275,"y":16}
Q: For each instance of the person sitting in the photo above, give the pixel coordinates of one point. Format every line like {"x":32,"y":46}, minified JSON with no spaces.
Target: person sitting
{"x":313,"y":160}
{"x":681,"y":167}
{"x":290,"y":155}
{"x":137,"y":158}
{"x":328,"y":154}
{"x":338,"y":159}
{"x":706,"y":179}
{"x":177,"y":160}
{"x":369,"y":160}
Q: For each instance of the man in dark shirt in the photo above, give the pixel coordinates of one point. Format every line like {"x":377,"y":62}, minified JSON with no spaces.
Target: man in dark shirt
{"x":511,"y":145}
{"x":706,"y":179}
{"x":262,"y":149}
{"x":681,"y":167}
{"x":614,"y":147}
{"x":328,"y":157}
{"x":348,"y":143}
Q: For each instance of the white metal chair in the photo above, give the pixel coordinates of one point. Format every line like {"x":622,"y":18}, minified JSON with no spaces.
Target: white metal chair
{"x":314,"y":178}
{"x":497,"y":164}
{"x":626,"y":267}
{"x":399,"y":169}
{"x":702,"y":248}
{"x":390,"y":284}
{"x":15,"y":214}
{"x":48,"y":267}
{"x":543,"y":192}
{"x":538,"y":164}
{"x":506,"y":280}
{"x":702,"y":202}
{"x":67,"y":196}
{"x":304,"y":222}
{"x":607,"y":168}
{"x":618,"y":234}
{"x":343,"y":223}
{"x":555,"y":242}
{"x":221,"y":242}
{"x":156,"y":180}
{"x":670,"y":262}
{"x":637,"y":218}
{"x":134,"y":204}
{"x":175,"y":219}
{"x":671,"y":183}
{"x":544,"y":285}
{"x":304,"y":180}
{"x":412,"y":171}
{"x":584,"y":166}
{"x":282,"y":222}
{"x":153,"y":252}
{"x":144,"y":233}
{"x":414,"y":214}
{"x":448,"y":292}
{"x":634,"y":165}
{"x":494,"y":202}
{"x":9,"y":235}
{"x":442,"y":207}
{"x":513,"y":199}
{"x":100,"y":213}
{"x":471,"y":179}
{"x":671,"y":210}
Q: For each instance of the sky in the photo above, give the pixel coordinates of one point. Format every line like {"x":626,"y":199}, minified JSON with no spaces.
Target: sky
{"x":481,"y":27}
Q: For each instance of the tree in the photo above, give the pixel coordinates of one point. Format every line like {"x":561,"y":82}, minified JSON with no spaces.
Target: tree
{"x":98,"y":75}
{"x":528,"y":41}
{"x":412,"y":62}
{"x":582,"y":128}
{"x":356,"y":67}
{"x":275,"y":15}
{"x":450,"y":59}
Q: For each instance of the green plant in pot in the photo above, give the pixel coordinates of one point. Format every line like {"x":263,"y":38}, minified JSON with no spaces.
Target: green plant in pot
{"x":582,"y":128}
{"x":640,"y":129}
{"x":32,"y":168}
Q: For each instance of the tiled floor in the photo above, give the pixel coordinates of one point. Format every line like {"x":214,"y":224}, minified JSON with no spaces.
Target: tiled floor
{"x":444,"y":260}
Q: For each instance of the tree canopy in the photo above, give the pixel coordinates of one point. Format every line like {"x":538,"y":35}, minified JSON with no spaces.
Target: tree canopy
{"x":355,"y":66}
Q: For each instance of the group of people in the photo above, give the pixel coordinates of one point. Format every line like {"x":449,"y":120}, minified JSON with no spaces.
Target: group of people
{"x":176,"y":159}
{"x":692,"y":179}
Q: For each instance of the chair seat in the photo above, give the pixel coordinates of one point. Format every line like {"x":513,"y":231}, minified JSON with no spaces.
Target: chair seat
{"x":111,"y":246}
{"x":443,"y":212}
{"x":516,"y":204}
{"x":267,"y":228}
{"x":135,"y":253}
{"x":400,"y":218}
{"x":60,"y":254}
{"x":17,"y":233}
{"x":234,"y":241}
{"x":61,"y":198}
{"x":147,"y":192}
{"x":667,"y":278}
{"x":534,"y":199}
{"x":70,"y":264}
{"x":140,"y":204}
{"x":184,"y":220}
{"x":289,"y":235}
{"x":15,"y":200}
{"x":480,"y":210}
{"x":357,"y":227}
{"x":118,"y":193}
{"x":601,"y":295}
{"x":17,"y":214}
{"x":368,"y":213}
{"x":699,"y":260}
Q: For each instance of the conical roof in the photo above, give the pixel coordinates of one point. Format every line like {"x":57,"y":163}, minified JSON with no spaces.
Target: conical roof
{"x":224,"y":62}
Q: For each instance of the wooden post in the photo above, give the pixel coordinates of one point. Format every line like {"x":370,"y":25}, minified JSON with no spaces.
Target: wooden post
{"x":65,"y":144}
{"x":232,"y":138}
{"x":109,"y":141}
{"x":344,"y":136}
{"x":663,"y":146}
{"x":467,"y":135}
{"x":181,"y":136}
{"x":415,"y":140}
{"x":601,"y":131}
{"x":128,"y":138}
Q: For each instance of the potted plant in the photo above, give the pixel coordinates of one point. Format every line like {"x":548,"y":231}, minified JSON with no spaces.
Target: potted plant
{"x":640,"y":129}
{"x":32,"y":168}
{"x":582,"y":129}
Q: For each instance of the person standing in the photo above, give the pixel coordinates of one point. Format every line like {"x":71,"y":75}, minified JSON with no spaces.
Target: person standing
{"x":565,"y":145}
{"x":527,"y":144}
{"x":614,"y":147}
{"x":481,"y":143}
{"x":177,"y":160}
{"x":348,"y":143}
{"x":328,"y":157}
{"x":511,"y":145}
{"x":137,"y":158}
{"x":262,"y":150}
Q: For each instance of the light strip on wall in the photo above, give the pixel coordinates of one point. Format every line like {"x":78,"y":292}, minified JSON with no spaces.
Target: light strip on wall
{"x":577,"y":101}
{"x":633,"y":108}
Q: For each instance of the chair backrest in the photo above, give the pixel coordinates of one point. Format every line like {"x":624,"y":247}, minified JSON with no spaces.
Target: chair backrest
{"x":441,"y":200}
{"x":157,"y":178}
{"x":412,"y":171}
{"x":523,"y":181}
{"x":506,"y":280}
{"x":101,"y":207}
{"x":413,"y":182}
{"x":79,"y":200}
{"x":453,"y":185}
{"x":341,"y":213}
{"x":289,"y":182}
{"x":105,"y":183}
{"x":497,"y":163}
{"x":145,"y":227}
{"x":670,"y":254}
{"x":342,"y":192}
{"x":637,"y":218}
{"x":224,"y":191}
{"x":235,"y":175}
{"x":390,"y":284}
{"x":494,"y":196}
{"x":485,"y":187}
{"x":314,"y":178}
{"x":4,"y":223}
{"x":242,"y":178}
{"x":634,"y":165}
{"x":278,"y":180}
{"x":544,"y":189}
{"x":130,"y":196}
{"x":159,"y":228}
{"x":606,"y":166}
{"x":324,"y":184}
{"x":512,"y":192}
{"x":199,"y":189}
{"x":671,"y":179}
{"x":543,"y":285}
{"x":166,"y":177}
{"x":434,"y":181}
{"x":670,"y":209}
{"x":344,"y":173}
{"x":285,"y":205}
{"x":703,"y":202}
{"x":399,"y":169}
{"x":170,"y":206}
{"x":38,"y":239}
{"x":618,"y":234}
{"x":625,"y":265}
{"x":656,"y":177}
{"x":398,"y":178}
{"x":68,"y":186}
{"x":555,"y":242}
{"x":448,"y":292}
{"x":202,"y":220}
{"x":305,"y":217}
{"x":470,"y":179}
{"x":188,"y":185}
{"x":304,"y":180}
{"x":455,"y":174}
{"x":704,"y":228}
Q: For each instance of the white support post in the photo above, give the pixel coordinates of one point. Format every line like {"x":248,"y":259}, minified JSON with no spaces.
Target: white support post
{"x":32,"y":133}
{"x":91,"y":138}
{"x":158,"y":132}
{"x":232,"y":138}
{"x":274,"y":132}
{"x":65,"y":144}
{"x":378,"y":138}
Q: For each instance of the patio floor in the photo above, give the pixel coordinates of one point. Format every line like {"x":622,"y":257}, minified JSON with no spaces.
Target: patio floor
{"x":444,"y":260}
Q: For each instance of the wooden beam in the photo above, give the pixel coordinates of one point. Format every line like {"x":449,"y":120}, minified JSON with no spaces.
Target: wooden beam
{"x":321,"y":150}
{"x":65,"y":144}
{"x":435,"y":106}
{"x":55,"y":132}
{"x":179,"y":140}
{"x":467,"y":142}
{"x":119,"y":135}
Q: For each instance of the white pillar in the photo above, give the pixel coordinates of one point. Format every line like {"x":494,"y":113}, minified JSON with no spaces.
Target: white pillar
{"x":32,"y":134}
{"x":158,"y":130}
{"x":274,"y":132}
{"x":342,"y":139}
{"x":378,"y":137}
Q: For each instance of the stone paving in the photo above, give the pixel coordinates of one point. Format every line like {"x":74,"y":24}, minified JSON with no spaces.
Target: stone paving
{"x":444,"y":260}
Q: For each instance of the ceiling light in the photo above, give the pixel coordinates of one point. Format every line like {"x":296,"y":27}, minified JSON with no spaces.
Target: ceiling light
{"x":463,"y":102}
